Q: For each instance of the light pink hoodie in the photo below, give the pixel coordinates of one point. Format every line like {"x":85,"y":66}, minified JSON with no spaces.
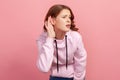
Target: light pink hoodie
{"x":76,"y":56}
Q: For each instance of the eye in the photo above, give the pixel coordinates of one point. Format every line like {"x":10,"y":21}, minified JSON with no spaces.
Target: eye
{"x":64,"y":17}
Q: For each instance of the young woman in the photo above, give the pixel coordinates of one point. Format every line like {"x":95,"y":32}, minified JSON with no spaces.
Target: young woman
{"x":60,"y":46}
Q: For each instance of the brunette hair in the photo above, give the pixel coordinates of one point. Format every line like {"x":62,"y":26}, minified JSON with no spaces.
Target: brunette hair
{"x":55,"y":10}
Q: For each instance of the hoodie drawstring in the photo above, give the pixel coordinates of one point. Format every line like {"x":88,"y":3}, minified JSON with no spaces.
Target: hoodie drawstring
{"x":57,"y":55}
{"x":66,"y":53}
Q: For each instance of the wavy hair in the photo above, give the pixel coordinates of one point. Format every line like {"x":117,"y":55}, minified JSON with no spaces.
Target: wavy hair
{"x":55,"y":10}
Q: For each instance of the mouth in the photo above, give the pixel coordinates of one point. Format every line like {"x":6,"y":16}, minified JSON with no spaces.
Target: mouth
{"x":68,"y":25}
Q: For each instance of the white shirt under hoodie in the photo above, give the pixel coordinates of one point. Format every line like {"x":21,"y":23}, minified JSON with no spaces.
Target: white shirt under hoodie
{"x":71,"y":61}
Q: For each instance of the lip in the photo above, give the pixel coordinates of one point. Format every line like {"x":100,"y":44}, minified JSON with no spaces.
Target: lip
{"x":68,"y":25}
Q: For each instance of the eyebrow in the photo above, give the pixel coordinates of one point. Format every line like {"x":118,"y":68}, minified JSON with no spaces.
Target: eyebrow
{"x":66,"y":15}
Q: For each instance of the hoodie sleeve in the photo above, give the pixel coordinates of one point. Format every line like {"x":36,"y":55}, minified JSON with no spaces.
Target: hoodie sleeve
{"x":46,"y":50}
{"x":80,"y":60}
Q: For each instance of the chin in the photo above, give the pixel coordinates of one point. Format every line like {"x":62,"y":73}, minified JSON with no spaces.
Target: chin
{"x":67,"y":30}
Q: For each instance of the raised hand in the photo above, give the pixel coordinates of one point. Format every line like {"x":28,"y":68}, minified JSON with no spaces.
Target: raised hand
{"x":49,"y":27}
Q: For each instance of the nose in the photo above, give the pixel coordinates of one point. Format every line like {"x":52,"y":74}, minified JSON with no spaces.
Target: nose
{"x":68,"y":20}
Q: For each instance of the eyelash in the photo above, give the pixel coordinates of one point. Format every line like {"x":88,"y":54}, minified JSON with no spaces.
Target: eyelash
{"x":65,"y":17}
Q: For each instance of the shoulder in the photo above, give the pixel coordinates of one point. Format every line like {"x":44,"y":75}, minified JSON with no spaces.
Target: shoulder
{"x":42,"y":36}
{"x":75,"y":35}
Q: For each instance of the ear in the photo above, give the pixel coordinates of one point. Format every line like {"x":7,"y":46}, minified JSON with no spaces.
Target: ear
{"x":52,"y":20}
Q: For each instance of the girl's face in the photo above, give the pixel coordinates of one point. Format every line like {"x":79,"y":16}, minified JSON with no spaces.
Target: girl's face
{"x":63,"y":21}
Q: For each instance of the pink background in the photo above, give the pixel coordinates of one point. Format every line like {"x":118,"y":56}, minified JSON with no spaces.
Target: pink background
{"x":21,"y":22}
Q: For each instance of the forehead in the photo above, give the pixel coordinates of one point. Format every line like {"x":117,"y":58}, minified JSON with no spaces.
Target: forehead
{"x":64,"y":12}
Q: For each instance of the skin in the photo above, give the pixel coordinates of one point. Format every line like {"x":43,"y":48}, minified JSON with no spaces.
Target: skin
{"x":57,"y":27}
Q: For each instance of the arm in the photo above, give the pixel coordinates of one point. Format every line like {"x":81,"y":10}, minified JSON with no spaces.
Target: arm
{"x":80,"y":61}
{"x":46,"y":50}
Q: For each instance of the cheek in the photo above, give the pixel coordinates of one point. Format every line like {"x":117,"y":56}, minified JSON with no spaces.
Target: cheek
{"x":59,"y":22}
{"x":62,"y":22}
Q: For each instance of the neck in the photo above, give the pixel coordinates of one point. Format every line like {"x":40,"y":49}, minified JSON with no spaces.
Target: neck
{"x":60,"y":35}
